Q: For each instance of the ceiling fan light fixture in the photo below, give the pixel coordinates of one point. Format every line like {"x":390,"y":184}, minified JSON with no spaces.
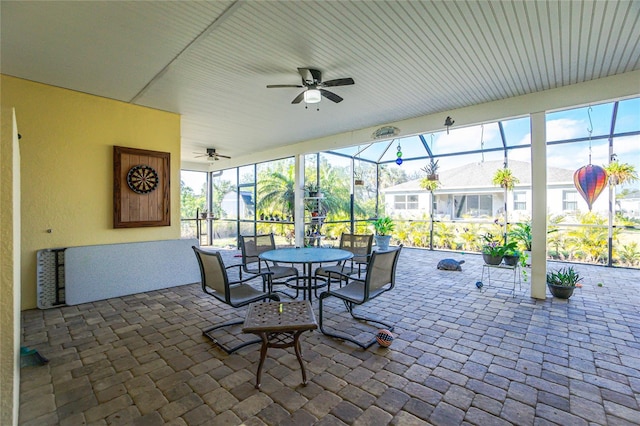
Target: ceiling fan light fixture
{"x":312,"y":96}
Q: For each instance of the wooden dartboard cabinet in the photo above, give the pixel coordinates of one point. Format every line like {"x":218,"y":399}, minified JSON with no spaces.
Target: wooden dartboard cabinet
{"x":141,"y":190}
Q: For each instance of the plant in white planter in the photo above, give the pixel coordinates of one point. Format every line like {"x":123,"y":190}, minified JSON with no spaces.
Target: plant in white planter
{"x":383,"y":226}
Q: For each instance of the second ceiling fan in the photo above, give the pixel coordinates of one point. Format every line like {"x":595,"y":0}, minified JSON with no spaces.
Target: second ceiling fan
{"x":314,"y":86}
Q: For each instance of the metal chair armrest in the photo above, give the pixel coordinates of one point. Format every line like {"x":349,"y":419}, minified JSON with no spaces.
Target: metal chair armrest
{"x":252,"y":276}
{"x":342,"y":276}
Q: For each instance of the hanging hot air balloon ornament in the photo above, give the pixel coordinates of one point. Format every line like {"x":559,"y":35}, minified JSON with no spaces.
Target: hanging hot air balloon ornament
{"x":590,"y":180}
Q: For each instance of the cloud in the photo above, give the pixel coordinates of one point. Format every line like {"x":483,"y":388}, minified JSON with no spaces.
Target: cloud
{"x":467,"y":138}
{"x":564,"y":128}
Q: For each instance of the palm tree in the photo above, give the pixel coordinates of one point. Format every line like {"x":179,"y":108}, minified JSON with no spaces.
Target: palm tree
{"x":335,"y":184}
{"x":629,"y":255}
{"x":444,"y":236}
{"x":276,"y":191}
{"x":588,"y":243}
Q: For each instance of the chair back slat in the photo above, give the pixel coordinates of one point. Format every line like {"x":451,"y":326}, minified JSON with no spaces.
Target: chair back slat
{"x":358,"y":244}
{"x":381,"y":271}
{"x":252,"y":246}
{"x":212,"y":271}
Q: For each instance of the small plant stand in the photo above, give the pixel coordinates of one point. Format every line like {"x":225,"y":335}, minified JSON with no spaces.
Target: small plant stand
{"x":516,"y":275}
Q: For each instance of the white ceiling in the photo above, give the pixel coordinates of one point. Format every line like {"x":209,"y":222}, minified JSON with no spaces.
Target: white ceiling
{"x":211,"y":60}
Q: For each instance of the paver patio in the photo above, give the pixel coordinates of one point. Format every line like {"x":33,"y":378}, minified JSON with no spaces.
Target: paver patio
{"x":461,"y":356}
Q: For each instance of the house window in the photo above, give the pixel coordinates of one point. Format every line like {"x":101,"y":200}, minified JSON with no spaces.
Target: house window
{"x":473,"y":205}
{"x":519,"y":200}
{"x":569,"y":200}
{"x":405,"y":202}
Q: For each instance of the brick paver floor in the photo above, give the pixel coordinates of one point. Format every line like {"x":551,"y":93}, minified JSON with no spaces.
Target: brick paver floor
{"x":462,"y":355}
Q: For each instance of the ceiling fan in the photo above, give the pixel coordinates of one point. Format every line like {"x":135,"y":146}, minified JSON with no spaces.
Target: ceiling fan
{"x":314,"y":86}
{"x":211,"y":155}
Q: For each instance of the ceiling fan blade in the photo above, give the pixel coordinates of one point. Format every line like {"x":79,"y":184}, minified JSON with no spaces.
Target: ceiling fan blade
{"x":277,"y":86}
{"x":298,"y":98}
{"x":317,"y":75}
{"x":338,"y":82}
{"x":304,"y":73}
{"x":330,"y":95}
{"x":222,"y":156}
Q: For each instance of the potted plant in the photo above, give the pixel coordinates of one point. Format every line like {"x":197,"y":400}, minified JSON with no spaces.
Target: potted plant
{"x":383,"y":226}
{"x":521,"y":233}
{"x":563,"y":281}
{"x":492,"y":250}
{"x":511,"y":255}
{"x":492,"y":253}
{"x":312,"y":190}
{"x":620,"y":173}
{"x":431,"y":170}
{"x":429,"y":185}
{"x":504,"y":178}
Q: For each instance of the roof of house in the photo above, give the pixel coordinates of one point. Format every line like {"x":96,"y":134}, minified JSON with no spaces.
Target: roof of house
{"x":479,"y":175}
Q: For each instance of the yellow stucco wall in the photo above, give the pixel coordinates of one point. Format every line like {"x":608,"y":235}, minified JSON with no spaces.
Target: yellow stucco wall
{"x":67,"y":168}
{"x":9,"y":270}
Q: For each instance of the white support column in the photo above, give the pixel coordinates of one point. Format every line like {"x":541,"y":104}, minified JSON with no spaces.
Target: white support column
{"x":298,"y":209}
{"x":539,"y":205}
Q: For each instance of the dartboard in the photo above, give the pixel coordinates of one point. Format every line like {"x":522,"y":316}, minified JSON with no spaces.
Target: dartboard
{"x":142,"y":179}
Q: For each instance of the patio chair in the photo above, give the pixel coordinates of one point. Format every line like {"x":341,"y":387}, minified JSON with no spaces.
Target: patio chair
{"x":254,"y":245}
{"x":380,"y":278}
{"x":215,"y":282}
{"x":358,"y":244}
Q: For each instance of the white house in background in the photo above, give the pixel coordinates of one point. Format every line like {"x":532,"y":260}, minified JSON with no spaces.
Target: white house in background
{"x":630,"y":205}
{"x":466,"y":192}
{"x":229,"y":205}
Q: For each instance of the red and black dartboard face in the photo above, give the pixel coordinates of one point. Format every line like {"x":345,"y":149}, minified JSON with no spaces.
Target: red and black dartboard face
{"x":142,"y":179}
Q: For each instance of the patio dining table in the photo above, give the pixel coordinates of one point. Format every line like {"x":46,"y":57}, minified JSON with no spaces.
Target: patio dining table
{"x":307,"y":256}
